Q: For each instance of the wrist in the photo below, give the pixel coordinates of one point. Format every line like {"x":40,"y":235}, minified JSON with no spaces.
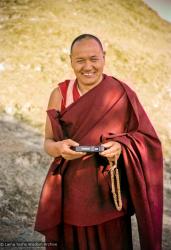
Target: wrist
{"x":58,"y":147}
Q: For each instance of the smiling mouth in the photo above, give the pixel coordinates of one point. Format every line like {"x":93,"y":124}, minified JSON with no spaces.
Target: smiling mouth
{"x":89,"y":74}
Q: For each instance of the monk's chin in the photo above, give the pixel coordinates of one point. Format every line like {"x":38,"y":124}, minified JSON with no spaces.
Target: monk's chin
{"x":90,"y":80}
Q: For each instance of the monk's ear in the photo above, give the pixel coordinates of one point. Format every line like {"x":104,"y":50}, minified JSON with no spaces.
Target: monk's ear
{"x":104,"y":54}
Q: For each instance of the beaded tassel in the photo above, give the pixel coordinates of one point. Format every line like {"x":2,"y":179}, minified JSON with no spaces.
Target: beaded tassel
{"x":116,"y":190}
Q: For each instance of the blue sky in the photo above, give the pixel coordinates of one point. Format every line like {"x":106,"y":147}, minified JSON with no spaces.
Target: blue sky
{"x":163,"y":7}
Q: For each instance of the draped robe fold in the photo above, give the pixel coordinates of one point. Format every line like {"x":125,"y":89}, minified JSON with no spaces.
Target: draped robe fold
{"x":78,"y":192}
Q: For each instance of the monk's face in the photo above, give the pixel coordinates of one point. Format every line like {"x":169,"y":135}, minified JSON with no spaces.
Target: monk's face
{"x":87,"y":61}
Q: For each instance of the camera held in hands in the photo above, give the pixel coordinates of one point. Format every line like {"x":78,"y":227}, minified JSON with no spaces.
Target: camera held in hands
{"x":88,"y":149}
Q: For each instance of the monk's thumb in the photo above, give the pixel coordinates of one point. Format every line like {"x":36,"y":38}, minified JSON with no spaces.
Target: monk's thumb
{"x":73,"y":143}
{"x":107,"y":144}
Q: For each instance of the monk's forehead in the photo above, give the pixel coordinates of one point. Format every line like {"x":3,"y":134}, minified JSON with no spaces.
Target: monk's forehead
{"x":86,"y":46}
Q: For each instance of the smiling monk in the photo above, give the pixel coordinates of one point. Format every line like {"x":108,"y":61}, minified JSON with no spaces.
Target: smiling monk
{"x":88,"y":198}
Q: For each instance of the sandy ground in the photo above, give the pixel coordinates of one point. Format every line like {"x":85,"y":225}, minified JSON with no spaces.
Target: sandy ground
{"x":23,"y":167}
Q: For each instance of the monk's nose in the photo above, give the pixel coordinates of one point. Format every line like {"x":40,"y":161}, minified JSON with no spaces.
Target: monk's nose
{"x":87,"y":65}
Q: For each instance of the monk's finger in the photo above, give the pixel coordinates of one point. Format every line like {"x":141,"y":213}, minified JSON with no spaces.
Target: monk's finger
{"x":108,"y":144}
{"x":70,"y":142}
{"x":69,"y":151}
{"x":72,"y":157}
{"x":111,"y":150}
{"x":110,"y":153}
{"x":112,"y":145}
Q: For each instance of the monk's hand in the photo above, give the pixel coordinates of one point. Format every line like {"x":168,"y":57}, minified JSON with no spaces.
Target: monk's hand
{"x":66,"y":152}
{"x":112,"y":150}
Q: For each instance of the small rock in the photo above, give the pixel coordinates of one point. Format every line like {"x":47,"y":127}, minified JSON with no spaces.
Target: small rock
{"x":5,"y":221}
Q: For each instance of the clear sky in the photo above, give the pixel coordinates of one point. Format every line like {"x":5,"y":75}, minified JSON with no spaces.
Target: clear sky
{"x":163,"y":7}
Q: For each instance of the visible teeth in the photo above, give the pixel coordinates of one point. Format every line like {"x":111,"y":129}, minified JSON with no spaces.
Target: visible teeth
{"x":88,"y":74}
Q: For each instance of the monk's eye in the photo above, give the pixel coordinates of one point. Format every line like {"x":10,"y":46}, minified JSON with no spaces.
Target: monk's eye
{"x":94,"y":59}
{"x":80,"y":61}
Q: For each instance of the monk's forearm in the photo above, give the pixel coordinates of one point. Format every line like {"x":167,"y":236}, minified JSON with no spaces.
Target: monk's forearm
{"x":51,"y":147}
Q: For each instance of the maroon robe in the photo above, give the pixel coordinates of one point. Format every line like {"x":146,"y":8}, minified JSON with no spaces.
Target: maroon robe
{"x":78,"y":192}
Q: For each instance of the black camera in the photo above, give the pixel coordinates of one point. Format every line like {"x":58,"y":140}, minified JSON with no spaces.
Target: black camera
{"x":88,"y":149}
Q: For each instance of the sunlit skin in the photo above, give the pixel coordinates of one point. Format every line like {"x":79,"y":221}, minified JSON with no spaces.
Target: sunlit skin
{"x":87,"y":61}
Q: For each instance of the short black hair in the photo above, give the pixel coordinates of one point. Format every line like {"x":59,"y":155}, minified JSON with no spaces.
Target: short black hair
{"x":85,"y":36}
